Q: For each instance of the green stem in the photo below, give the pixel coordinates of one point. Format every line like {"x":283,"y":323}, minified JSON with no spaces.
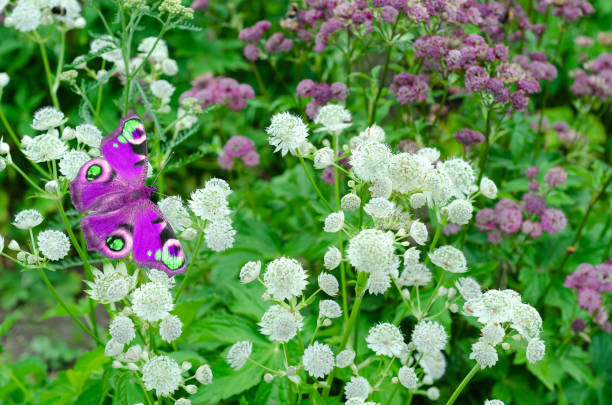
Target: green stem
{"x":17,"y":382}
{"x":395,"y":389}
{"x":487,"y":145}
{"x":463,"y":384}
{"x":260,"y":83}
{"x":25,"y":176}
{"x":99,"y":98}
{"x":43,"y":53}
{"x":193,"y":259}
{"x":8,"y":127}
{"x":144,"y":390}
{"x":68,"y":311}
{"x":442,"y":103}
{"x":340,"y":237}
{"x":383,"y":78}
{"x":314,"y":185}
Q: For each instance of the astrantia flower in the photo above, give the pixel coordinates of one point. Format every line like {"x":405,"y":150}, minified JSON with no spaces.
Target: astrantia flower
{"x":526,"y":320}
{"x":385,"y":339}
{"x":28,"y":219}
{"x":285,"y":278}
{"x":378,"y":283}
{"x":357,"y":388}
{"x":159,"y":276}
{"x":535,"y":350}
{"x":286,"y":133}
{"x":449,"y":258}
{"x":350,"y":202}
{"x":113,"y":53}
{"x":329,"y":309}
{"x":152,"y":301}
{"x":47,"y":118}
{"x":45,"y":147}
{"x":334,"y":222}
{"x":411,"y":256}
{"x":111,"y":285}
{"x":175,"y":212}
{"x":318,"y":360}
{"x":204,"y":374}
{"x":415,"y":274}
{"x":210,"y":202}
{"x":488,"y":188}
{"x":459,"y":211}
{"x":122,"y":329}
{"x":157,"y":48}
{"x":370,"y":161}
{"x":131,"y":355}
{"x":407,"y":377}
{"x":418,"y":232}
{"x":381,"y":188}
{"x":162,"y":89}
{"x":332,"y":258}
{"x":162,"y":374}
{"x":371,"y":250}
{"x":493,"y":402}
{"x":495,"y":306}
{"x":25,"y":17}
{"x":492,"y":333}
{"x":408,"y":171}
{"x":71,"y":163}
{"x":219,"y":234}
{"x":250,"y":271}
{"x":324,"y":157}
{"x":334,"y":118}
{"x":239,"y":354}
{"x":328,"y":284}
{"x":461,"y":174}
{"x":170,"y":328}
{"x":279,"y":324}
{"x":429,"y":337}
{"x":345,"y":358}
{"x":468,"y":288}
{"x":484,"y":354}
{"x":113,"y":348}
{"x":89,"y":134}
{"x":54,"y":245}
{"x":379,"y":207}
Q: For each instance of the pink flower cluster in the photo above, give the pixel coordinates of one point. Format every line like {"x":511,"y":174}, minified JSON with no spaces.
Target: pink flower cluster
{"x":590,"y":282}
{"x":238,"y":147}
{"x":321,"y":93}
{"x":531,"y":216}
{"x":569,"y":9}
{"x":275,"y":44}
{"x":410,"y":88}
{"x":595,"y":79}
{"x":209,"y":90}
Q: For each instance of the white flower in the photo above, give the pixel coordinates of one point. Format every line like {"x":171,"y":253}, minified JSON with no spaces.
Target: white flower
{"x":113,"y":54}
{"x":324,"y":157}
{"x":204,"y":374}
{"x":332,"y":258}
{"x":484,"y":354}
{"x":535,"y":350}
{"x":328,"y":284}
{"x":334,"y":222}
{"x":1,"y":243}
{"x":219,"y":234}
{"x":350,"y":202}
{"x":159,"y":276}
{"x":492,"y":333}
{"x":370,"y":160}
{"x":357,"y":387}
{"x":250,"y":271}
{"x":385,"y":339}
{"x":45,"y":147}
{"x":163,"y":90}
{"x":175,"y":212}
{"x":239,"y":354}
{"x":71,"y":163}
{"x":372,"y":133}
{"x":54,"y":245}
{"x":459,"y":211}
{"x":122,"y":329}
{"x":526,"y":320}
{"x":493,"y":402}
{"x":88,"y":134}
{"x":184,"y":401}
{"x":378,"y":283}
{"x":318,"y":360}
{"x":329,"y":309}
{"x":415,"y":274}
{"x":13,"y":245}
{"x":431,"y":154}
{"x":162,"y":374}
{"x":488,"y":188}
{"x":286,"y":133}
{"x":158,"y":54}
{"x":25,"y":17}
{"x":210,"y":202}
{"x":434,"y":365}
{"x":468,"y":288}
{"x":111,"y":285}
{"x":279,"y":324}
{"x":379,"y":207}
{"x":409,"y":171}
{"x":28,"y":219}
{"x":285,"y":278}
{"x":407,"y":377}
{"x":449,"y":258}
{"x":47,"y":118}
{"x":418,"y":200}
{"x":418,"y":232}
{"x":132,"y":355}
{"x":433,"y":393}
{"x":345,"y":358}
{"x":371,"y":251}
{"x":152,"y":301}
{"x":381,"y":188}
{"x":411,"y":256}
{"x":461,"y":174}
{"x":169,"y":67}
{"x":170,"y":328}
{"x":495,"y":306}
{"x":113,"y":348}
{"x":429,"y":337}
{"x":334,"y":118}
{"x":4,"y":77}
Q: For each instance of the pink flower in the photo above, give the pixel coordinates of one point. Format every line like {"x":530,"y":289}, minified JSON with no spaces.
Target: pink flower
{"x":589,"y":299}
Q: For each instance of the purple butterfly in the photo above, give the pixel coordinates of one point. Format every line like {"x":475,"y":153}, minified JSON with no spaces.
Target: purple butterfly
{"x":122,"y":218}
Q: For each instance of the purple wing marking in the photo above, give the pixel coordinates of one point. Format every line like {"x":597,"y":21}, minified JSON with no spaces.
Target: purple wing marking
{"x":110,"y":233}
{"x":96,"y":187}
{"x":126,"y":150}
{"x":155,"y":243}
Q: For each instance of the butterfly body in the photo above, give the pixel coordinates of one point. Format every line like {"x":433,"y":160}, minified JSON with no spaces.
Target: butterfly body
{"x":122,"y":218}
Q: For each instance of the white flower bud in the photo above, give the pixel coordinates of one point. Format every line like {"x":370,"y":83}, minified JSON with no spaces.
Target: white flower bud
{"x":185,"y":366}
{"x":268,"y":377}
{"x":13,"y":245}
{"x":488,"y":188}
{"x":51,"y":187}
{"x":191,"y":389}
{"x":4,"y":148}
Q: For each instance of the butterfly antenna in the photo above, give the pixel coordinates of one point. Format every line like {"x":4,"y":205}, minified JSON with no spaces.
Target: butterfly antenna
{"x":163,"y":166}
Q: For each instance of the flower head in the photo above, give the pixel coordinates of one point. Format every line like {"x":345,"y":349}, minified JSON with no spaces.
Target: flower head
{"x":71,"y":163}
{"x":89,"y":134}
{"x":210,"y":202}
{"x":28,"y":219}
{"x":484,"y":354}
{"x":371,"y":251}
{"x":175,"y":212}
{"x":333,"y":118}
{"x":285,"y":278}
{"x":111,"y":285}
{"x":170,"y":328}
{"x":357,"y":388}
{"x":152,"y":301}
{"x":429,"y":337}
{"x":239,"y":354}
{"x":250,"y":271}
{"x":122,"y":329}
{"x":45,"y":147}
{"x":162,"y":374}
{"x":332,"y":258}
{"x":286,"y":133}
{"x":385,"y":339}
{"x":204,"y":374}
{"x":449,"y":258}
{"x":54,"y":245}
{"x":47,"y":118}
{"x":280,"y":324}
{"x":318,"y":360}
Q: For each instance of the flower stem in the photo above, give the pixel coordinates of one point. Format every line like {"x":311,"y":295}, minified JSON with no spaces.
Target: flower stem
{"x":260,"y":82}
{"x":63,"y":304}
{"x":314,"y":185}
{"x":340,"y":239}
{"x":193,"y":259}
{"x":487,"y":145}
{"x":50,"y":81}
{"x":463,"y":384}
{"x":383,"y":78}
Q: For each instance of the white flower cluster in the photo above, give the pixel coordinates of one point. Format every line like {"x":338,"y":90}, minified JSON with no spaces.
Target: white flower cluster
{"x":28,"y":15}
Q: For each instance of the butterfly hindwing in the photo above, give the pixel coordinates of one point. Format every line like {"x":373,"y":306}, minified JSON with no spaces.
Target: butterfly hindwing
{"x":125,"y":149}
{"x":110,"y":233}
{"x":95,"y":187}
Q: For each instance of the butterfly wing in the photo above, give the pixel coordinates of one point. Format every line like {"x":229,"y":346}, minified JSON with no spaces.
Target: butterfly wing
{"x":140,"y":227}
{"x":102,"y":181}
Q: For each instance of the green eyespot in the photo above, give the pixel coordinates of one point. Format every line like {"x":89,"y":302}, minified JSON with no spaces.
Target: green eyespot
{"x":93,"y":172}
{"x":128,"y":130}
{"x":115,"y":243}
